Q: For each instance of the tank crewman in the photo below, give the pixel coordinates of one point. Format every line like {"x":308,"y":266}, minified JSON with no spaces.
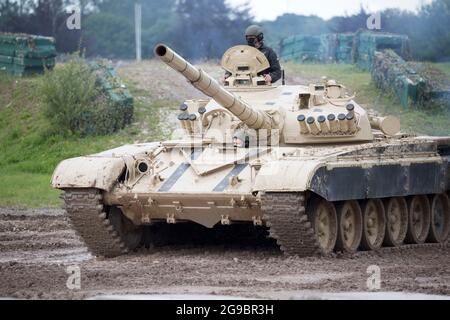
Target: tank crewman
{"x":255,"y":38}
{"x":245,"y":138}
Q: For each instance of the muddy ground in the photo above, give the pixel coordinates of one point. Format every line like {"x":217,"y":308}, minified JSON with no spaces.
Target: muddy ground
{"x":37,"y":247}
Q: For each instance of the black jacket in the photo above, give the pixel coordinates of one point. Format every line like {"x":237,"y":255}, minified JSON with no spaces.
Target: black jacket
{"x":275,"y":69}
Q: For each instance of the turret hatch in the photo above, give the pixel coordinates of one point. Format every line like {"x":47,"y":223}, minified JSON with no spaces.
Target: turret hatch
{"x":244,"y":63}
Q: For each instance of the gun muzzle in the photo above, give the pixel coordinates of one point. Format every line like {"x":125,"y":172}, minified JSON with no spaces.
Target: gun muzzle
{"x":389,"y":125}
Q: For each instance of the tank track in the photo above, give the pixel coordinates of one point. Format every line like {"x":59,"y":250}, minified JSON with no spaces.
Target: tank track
{"x":288,"y":223}
{"x":86,"y":212}
{"x":284,"y":213}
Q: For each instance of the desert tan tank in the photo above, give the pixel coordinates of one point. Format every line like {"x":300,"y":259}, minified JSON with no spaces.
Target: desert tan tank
{"x":306,"y":162}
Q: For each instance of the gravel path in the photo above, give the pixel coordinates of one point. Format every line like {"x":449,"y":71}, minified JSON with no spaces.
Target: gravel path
{"x":161,"y":82}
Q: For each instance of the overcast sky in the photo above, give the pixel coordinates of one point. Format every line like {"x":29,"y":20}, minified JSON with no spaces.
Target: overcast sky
{"x":270,"y":9}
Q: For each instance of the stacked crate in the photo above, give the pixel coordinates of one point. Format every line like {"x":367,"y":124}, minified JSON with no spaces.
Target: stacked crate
{"x":328,"y":47}
{"x":367,"y":43}
{"x":344,"y":47}
{"x":22,"y":54}
{"x":357,"y":47}
{"x":385,"y":55}
{"x":302,"y":48}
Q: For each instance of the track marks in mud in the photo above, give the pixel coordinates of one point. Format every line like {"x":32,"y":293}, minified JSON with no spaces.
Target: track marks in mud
{"x":36,"y":246}
{"x":38,"y":236}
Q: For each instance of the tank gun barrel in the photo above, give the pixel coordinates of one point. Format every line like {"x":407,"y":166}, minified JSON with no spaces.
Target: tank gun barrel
{"x":255,"y":119}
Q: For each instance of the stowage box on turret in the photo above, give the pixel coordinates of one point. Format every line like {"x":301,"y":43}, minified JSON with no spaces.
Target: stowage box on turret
{"x":306,"y":162}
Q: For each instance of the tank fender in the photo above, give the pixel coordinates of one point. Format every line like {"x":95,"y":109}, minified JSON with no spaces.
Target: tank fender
{"x":380,"y":180}
{"x":99,"y":170}
{"x":352,"y":181}
{"x":285,"y":176}
{"x":88,"y":172}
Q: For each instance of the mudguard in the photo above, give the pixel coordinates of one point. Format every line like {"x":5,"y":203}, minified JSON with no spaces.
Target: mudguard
{"x":88,"y":172}
{"x":99,"y":170}
{"x":354,"y":181}
{"x":285,"y":176}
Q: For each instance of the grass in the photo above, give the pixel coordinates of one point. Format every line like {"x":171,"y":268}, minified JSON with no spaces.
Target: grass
{"x":368,"y":95}
{"x":30,"y":148}
{"x":444,"y":67}
{"x":22,"y":189}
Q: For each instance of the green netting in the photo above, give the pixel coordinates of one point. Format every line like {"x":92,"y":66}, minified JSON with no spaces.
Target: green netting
{"x":27,"y":54}
{"x":302,"y":48}
{"x":327,"y":49}
{"x":29,"y":62}
{"x":6,"y":59}
{"x":436,"y":89}
{"x":342,"y":47}
{"x":116,"y":91}
{"x":20,"y":70}
{"x":7,"y":49}
{"x":413,"y":83}
{"x":367,"y":43}
{"x":26,"y":40}
{"x":38,"y":52}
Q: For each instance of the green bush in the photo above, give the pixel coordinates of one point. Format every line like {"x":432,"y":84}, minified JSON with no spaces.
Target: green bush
{"x":74,"y":103}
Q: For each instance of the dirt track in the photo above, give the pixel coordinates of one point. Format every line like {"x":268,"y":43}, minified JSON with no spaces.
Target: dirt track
{"x":36,"y":246}
{"x":161,"y":82}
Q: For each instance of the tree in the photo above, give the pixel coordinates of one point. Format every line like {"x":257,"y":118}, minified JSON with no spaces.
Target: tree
{"x":349,"y":23}
{"x":109,"y":29}
{"x":207,"y":28}
{"x":427,"y":30}
{"x":432,"y":42}
{"x":292,"y":24}
{"x":12,"y":16}
{"x":109,"y":36}
{"x":47,"y":16}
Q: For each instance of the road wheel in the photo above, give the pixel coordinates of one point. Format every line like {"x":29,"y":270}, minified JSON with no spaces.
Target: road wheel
{"x":396,"y":211}
{"x":419,"y":218}
{"x":323,"y":218}
{"x":130,"y":234}
{"x":374,"y":224}
{"x":349,"y":226}
{"x":440,"y":219}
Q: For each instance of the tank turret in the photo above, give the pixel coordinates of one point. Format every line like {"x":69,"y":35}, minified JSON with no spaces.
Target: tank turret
{"x":253,"y":118}
{"x":318,"y":114}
